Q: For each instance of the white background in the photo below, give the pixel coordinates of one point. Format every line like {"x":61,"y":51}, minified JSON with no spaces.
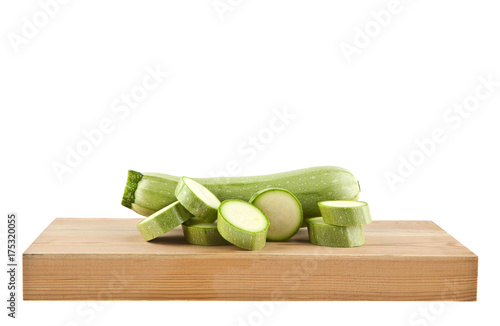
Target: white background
{"x":226,"y":76}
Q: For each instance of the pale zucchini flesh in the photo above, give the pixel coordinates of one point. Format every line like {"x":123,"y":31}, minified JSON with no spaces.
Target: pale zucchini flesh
{"x":242,"y":224}
{"x":146,"y":193}
{"x":345,"y":213}
{"x":201,"y":233}
{"x":283,"y":210}
{"x":328,"y":235}
{"x":163,"y":221}
{"x":197,"y":199}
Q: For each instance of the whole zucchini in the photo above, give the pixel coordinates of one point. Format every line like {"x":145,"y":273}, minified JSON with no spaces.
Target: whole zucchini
{"x":146,"y":193}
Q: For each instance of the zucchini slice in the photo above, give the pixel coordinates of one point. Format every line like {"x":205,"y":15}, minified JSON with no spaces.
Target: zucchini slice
{"x":345,"y":213}
{"x":283,"y":210}
{"x":197,"y":199}
{"x":201,"y":233}
{"x":323,"y":234}
{"x":242,"y":224}
{"x":163,"y":221}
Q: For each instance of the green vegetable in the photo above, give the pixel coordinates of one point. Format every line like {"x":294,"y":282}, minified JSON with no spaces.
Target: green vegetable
{"x":146,"y":193}
{"x":323,"y":234}
{"x":197,"y":199}
{"x":163,"y":221}
{"x":198,"y":232}
{"x":345,"y":213}
{"x":242,"y":224}
{"x":282,"y":209}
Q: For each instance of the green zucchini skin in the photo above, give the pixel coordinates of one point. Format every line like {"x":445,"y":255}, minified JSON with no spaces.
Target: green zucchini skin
{"x":244,"y":239}
{"x":146,"y":193}
{"x":197,"y":232}
{"x":195,"y":205}
{"x":163,"y":221}
{"x":345,"y":216}
{"x":327,"y":235}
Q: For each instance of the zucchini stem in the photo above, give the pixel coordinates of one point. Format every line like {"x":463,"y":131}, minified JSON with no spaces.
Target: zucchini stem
{"x":129,"y":193}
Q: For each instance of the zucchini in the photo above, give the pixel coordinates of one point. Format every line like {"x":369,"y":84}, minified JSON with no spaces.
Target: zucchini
{"x":242,"y":224}
{"x":282,"y":209}
{"x":323,"y":234}
{"x":147,"y":193}
{"x":163,"y":221}
{"x":198,"y":232}
{"x":197,"y":199}
{"x":345,"y":213}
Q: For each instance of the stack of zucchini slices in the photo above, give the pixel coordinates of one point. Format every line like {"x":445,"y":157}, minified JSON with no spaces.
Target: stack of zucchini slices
{"x":271,"y":214}
{"x":340,"y":225}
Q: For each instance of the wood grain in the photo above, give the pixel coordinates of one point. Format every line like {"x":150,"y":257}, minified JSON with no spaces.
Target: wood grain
{"x":107,"y":259}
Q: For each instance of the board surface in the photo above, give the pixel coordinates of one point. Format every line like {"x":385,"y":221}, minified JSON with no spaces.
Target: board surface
{"x":107,"y":259}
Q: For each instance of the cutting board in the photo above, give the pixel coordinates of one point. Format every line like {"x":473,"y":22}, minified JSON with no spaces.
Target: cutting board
{"x":107,"y":259}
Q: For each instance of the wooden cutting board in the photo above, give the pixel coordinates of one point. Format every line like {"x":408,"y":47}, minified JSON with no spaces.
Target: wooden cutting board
{"x":107,"y":259}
